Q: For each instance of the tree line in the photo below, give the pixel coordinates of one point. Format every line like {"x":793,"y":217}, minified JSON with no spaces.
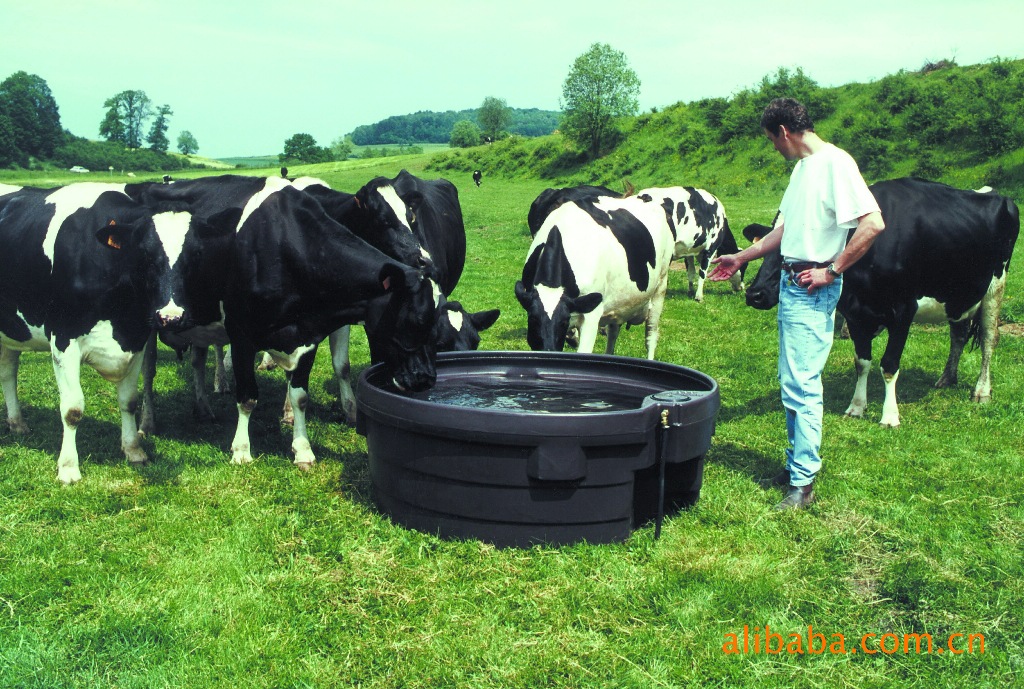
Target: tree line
{"x":436,"y":127}
{"x":31,"y":131}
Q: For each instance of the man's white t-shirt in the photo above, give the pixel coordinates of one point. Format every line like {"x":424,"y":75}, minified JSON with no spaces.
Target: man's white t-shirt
{"x":825,"y":198}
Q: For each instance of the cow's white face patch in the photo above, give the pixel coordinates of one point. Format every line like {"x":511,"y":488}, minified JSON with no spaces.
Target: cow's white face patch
{"x":456,"y":319}
{"x":397,"y":205}
{"x":69,"y":199}
{"x":171,"y":228}
{"x":273,"y":185}
{"x":549,"y":298}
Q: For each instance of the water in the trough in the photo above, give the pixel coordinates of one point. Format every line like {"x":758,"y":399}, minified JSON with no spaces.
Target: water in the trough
{"x":535,"y":396}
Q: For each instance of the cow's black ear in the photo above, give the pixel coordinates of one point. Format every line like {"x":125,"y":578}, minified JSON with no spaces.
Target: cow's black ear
{"x":114,"y":236}
{"x":218,"y":224}
{"x":482,"y":320}
{"x":413,"y":200}
{"x":522,"y":294}
{"x":587,"y":302}
{"x":391,"y":277}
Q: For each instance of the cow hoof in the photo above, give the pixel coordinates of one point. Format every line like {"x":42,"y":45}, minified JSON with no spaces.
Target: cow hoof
{"x":203,"y":413}
{"x":945,"y":382}
{"x":69,"y":475}
{"x":304,"y":457}
{"x":889,"y":423}
{"x":981,"y":399}
{"x":854,"y":413}
{"x":241,"y":456}
{"x":18,"y":427}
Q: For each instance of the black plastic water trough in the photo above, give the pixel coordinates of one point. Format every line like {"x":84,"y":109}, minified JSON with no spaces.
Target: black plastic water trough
{"x":518,"y":448}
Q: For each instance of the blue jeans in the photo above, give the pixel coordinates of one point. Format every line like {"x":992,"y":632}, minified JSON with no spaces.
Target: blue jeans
{"x":806,"y":324}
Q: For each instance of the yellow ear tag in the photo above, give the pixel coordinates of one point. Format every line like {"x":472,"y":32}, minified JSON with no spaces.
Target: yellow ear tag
{"x":111,"y":242}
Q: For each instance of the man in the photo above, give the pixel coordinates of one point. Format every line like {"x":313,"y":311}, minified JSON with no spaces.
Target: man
{"x":826,"y":198}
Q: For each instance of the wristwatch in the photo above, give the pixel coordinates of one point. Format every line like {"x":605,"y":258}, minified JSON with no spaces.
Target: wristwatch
{"x":831,"y":270}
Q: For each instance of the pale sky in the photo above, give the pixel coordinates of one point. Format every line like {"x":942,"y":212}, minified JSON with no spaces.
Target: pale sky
{"x":245,"y":75}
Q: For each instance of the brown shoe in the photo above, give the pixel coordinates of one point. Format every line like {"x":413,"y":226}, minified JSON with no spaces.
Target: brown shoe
{"x":797,"y":498}
{"x":780,"y":479}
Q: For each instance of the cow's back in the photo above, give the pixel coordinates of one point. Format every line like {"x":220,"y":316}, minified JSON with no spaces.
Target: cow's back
{"x":939,"y":242}
{"x":614,"y":246}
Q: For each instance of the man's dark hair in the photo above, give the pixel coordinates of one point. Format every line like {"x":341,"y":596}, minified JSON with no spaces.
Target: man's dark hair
{"x":788,"y":113}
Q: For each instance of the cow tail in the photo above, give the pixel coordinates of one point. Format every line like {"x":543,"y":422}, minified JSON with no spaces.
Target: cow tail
{"x":974,"y":333}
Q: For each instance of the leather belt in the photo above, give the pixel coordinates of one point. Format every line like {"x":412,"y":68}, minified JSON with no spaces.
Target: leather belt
{"x":800,"y":266}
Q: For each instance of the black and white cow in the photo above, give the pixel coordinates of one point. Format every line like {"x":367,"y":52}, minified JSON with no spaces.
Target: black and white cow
{"x":278,"y":274}
{"x":409,"y":219}
{"x":598,"y":261}
{"x":86,"y":276}
{"x":697,"y":220}
{"x":942,"y":257}
{"x":477,"y":176}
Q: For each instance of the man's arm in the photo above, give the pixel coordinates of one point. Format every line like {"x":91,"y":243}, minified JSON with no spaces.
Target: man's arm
{"x":727,"y":265}
{"x":868,"y":228}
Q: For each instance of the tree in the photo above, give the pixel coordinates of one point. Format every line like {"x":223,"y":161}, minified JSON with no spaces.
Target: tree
{"x":341,"y":148}
{"x":494,"y":117}
{"x":187,"y":143}
{"x":465,"y":133}
{"x":127,"y":113}
{"x":34,"y":121}
{"x":157,"y":138}
{"x":302,"y":148}
{"x":9,"y":151}
{"x":600,"y":87}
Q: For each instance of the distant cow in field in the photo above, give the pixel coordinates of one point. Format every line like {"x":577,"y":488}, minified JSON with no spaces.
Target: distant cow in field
{"x":86,"y":276}
{"x":943,"y":257}
{"x":602,"y":261}
{"x":477,"y":176}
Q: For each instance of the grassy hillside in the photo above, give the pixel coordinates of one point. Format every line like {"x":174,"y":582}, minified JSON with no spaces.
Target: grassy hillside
{"x":959,"y":125}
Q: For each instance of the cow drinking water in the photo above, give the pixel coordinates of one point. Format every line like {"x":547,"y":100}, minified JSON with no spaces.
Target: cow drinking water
{"x":594,"y":262}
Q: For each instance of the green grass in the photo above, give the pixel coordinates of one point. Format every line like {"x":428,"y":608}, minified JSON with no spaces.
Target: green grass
{"x":190,"y":572}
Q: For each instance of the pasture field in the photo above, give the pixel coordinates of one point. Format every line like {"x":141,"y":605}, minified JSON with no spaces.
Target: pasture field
{"x":191,"y":572}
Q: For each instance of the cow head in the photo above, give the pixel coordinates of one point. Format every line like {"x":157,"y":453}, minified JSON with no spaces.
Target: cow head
{"x":145,"y":244}
{"x":401,"y":335}
{"x":194,"y":248}
{"x":550,"y":295}
{"x":386,"y":220}
{"x":457,"y":330}
{"x":763,"y":292}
